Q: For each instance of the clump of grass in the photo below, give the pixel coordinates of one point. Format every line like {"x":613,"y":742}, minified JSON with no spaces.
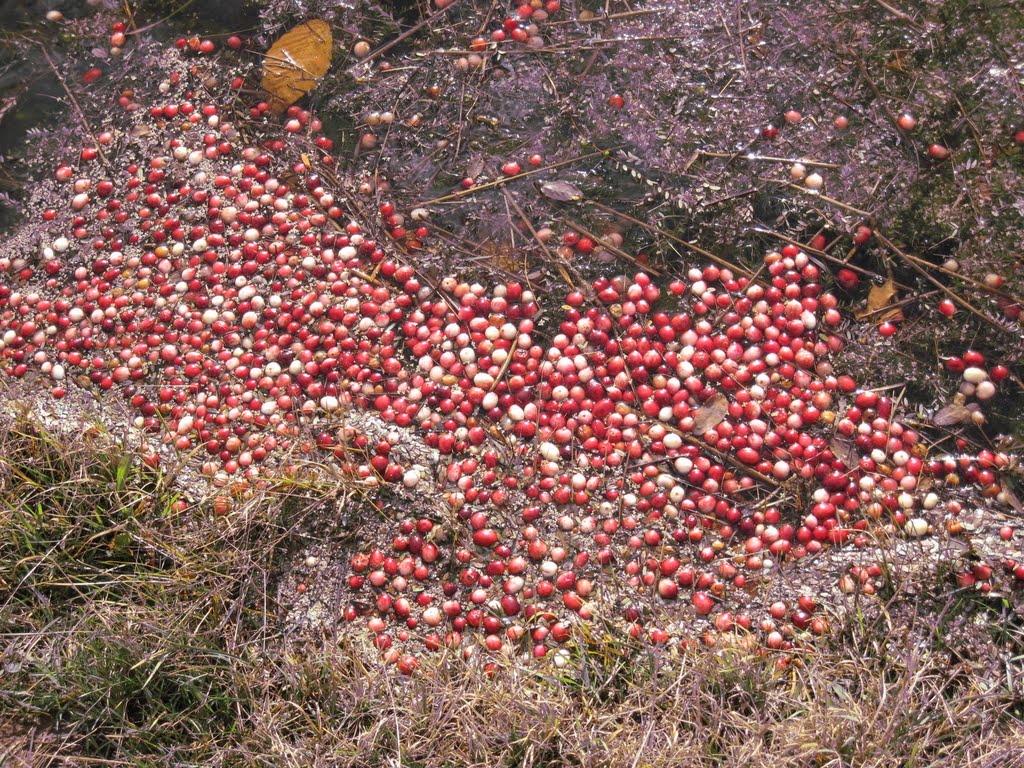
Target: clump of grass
{"x":707,"y":708}
{"x":141,"y":634}
{"x":119,"y":610}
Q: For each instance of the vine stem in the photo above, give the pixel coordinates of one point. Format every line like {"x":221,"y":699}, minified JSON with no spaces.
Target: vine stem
{"x":77,"y":106}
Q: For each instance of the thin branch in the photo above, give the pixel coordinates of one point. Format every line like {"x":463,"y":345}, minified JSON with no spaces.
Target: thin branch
{"x":408,"y":33}
{"x":679,"y":241}
{"x":507,"y":179}
{"x":825,"y":255}
{"x":945,"y":289}
{"x":833,"y":201}
{"x":900,"y":15}
{"x":768,"y":159}
{"x":74,"y":102}
{"x":554,"y":258}
{"x":614,"y":249}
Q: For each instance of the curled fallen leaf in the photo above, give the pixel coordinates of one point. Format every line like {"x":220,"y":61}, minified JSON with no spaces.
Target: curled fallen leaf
{"x":954,"y":413}
{"x":561,"y":191}
{"x":880,"y":297}
{"x":844,"y":450}
{"x":295,"y":63}
{"x":475,"y":167}
{"x":1011,"y":499}
{"x":711,"y":414}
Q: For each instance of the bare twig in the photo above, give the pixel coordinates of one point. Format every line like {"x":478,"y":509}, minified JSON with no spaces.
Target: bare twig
{"x":768,"y":159}
{"x":554,"y":258}
{"x":617,"y":251}
{"x":507,"y":179}
{"x":158,"y":22}
{"x":505,"y":365}
{"x":874,"y":89}
{"x":824,"y":255}
{"x":825,"y":198}
{"x":408,"y":33}
{"x":945,"y":289}
{"x":679,"y":241}
{"x":900,"y":15}
{"x":78,"y":109}
{"x":969,"y":280}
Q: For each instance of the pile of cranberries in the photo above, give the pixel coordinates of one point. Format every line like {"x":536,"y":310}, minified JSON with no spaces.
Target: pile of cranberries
{"x":649,"y":452}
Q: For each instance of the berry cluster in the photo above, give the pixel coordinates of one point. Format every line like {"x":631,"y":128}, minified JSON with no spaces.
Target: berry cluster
{"x":603,"y":461}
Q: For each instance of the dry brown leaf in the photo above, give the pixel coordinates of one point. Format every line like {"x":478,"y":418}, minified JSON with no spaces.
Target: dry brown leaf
{"x":295,"y":63}
{"x":844,"y":450}
{"x":561,"y":191}
{"x":711,"y":414}
{"x":900,"y":61}
{"x":950,"y":415}
{"x":895,"y":314}
{"x":1011,"y":499}
{"x":475,"y":167}
{"x":879,"y":297}
{"x":501,"y":255}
